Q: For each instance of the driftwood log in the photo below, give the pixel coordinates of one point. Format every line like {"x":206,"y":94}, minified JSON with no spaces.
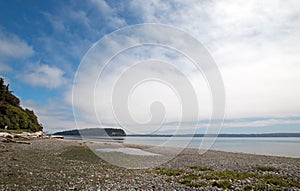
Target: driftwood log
{"x":8,"y":140}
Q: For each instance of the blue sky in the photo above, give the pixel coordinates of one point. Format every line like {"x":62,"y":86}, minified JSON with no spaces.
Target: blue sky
{"x":254,"y":44}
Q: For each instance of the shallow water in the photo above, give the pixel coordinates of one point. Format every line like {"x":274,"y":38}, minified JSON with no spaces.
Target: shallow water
{"x":130,"y":151}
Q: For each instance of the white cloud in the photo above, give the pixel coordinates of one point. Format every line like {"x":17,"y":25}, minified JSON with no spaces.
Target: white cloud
{"x":90,"y":19}
{"x":254,"y":43}
{"x":45,"y":76}
{"x":262,"y":122}
{"x":108,"y":13}
{"x":11,"y":46}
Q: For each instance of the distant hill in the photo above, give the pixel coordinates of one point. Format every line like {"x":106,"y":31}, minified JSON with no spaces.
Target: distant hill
{"x":12,"y":115}
{"x":93,"y":132}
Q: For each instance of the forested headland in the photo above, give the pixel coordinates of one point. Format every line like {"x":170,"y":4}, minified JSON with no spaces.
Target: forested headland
{"x":12,"y":115}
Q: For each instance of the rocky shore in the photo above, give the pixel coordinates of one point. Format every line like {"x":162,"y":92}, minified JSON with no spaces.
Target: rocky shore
{"x":54,"y":164}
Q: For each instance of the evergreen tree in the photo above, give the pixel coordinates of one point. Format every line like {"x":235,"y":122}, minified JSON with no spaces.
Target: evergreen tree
{"x":12,"y":115}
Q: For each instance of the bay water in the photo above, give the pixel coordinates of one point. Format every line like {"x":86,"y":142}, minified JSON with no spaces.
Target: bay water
{"x":274,"y":146}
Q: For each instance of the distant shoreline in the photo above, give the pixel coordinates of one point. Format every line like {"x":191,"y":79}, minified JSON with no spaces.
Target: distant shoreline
{"x":219,"y":135}
{"x":109,"y":132}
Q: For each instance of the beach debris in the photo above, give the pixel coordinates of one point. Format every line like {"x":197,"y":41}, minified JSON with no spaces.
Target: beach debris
{"x":7,"y":140}
{"x":19,"y":138}
{"x":56,"y":137}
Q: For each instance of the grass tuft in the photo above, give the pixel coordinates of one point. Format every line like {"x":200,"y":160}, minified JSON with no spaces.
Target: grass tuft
{"x":201,"y":168}
{"x":227,"y":175}
{"x":193,"y":183}
{"x":267,"y":168}
{"x":170,"y":172}
{"x":222,"y":184}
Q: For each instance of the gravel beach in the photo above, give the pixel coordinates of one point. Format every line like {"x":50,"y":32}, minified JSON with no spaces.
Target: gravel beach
{"x":52,"y":164}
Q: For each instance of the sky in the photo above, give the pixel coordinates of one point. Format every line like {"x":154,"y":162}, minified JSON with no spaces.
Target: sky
{"x":51,"y":53}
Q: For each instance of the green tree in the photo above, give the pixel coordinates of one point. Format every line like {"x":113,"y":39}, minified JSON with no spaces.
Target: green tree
{"x":13,"y":115}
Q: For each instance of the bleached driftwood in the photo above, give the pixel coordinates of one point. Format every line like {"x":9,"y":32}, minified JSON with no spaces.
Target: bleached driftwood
{"x":7,"y":137}
{"x":14,"y":138}
{"x":56,"y":137}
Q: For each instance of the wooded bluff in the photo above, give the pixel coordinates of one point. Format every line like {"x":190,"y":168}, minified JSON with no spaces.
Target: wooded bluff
{"x":12,"y":115}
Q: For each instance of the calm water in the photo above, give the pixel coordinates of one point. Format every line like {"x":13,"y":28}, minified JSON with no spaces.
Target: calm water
{"x":276,"y":146}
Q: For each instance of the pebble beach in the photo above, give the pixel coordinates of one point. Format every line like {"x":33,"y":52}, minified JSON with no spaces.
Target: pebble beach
{"x":54,"y":164}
